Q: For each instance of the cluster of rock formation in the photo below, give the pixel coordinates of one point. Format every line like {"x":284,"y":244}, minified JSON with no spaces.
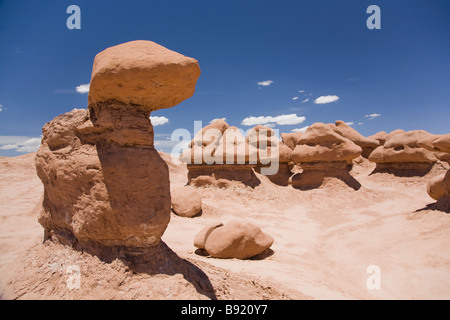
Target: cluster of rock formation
{"x":236,"y":239}
{"x":104,"y":183}
{"x":106,"y":186}
{"x":322,"y":151}
{"x":220,"y":153}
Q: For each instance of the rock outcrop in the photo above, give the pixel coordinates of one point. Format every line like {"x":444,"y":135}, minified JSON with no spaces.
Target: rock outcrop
{"x":291,"y":139}
{"x":438,"y":144}
{"x":186,"y":201}
{"x":323,"y":152}
{"x":401,"y":154}
{"x":379,"y":136}
{"x":274,"y":157}
{"x":219,"y":154}
{"x":367,"y":144}
{"x":104,"y":183}
{"x":236,"y":239}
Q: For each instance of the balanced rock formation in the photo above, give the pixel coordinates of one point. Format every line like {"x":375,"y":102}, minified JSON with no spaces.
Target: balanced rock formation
{"x":367,"y":144}
{"x":236,"y":239}
{"x":323,"y":152}
{"x":401,"y":154}
{"x":274,"y":157}
{"x":186,"y":201}
{"x":104,"y":183}
{"x":218,"y":155}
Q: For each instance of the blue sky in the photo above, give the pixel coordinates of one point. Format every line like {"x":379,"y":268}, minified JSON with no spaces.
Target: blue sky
{"x":400,"y":73}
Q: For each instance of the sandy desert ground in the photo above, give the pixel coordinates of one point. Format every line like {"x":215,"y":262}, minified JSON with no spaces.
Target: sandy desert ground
{"x":325,"y":239}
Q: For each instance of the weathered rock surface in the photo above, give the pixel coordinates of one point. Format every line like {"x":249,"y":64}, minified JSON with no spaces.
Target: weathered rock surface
{"x":323,"y":152}
{"x":379,"y":136}
{"x":236,"y":239}
{"x":320,"y":143}
{"x":291,"y":139}
{"x":186,"y":201}
{"x":143,"y":73}
{"x":367,"y":144}
{"x":200,"y":238}
{"x":402,"y":151}
{"x":104,"y":183}
{"x":439,"y":186}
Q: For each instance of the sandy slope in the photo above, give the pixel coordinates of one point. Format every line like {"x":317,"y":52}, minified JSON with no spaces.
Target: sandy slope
{"x":324,"y":239}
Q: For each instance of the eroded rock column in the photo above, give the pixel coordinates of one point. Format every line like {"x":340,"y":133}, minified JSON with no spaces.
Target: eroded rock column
{"x":104,"y":183}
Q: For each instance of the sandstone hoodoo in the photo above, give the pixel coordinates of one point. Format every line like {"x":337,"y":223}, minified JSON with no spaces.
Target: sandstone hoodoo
{"x":401,"y":154}
{"x":186,"y":201}
{"x":218,"y":155}
{"x":323,"y":152}
{"x":367,"y":144}
{"x":104,"y":183}
{"x":236,"y":239}
{"x":274,"y":157}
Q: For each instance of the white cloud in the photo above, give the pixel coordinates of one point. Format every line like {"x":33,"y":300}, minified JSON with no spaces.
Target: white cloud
{"x":1,"y":108}
{"x":360,"y":123}
{"x":306,"y":100}
{"x":326,"y":99}
{"x":300,"y":129}
{"x":20,"y":144}
{"x":158,"y":121}
{"x":83,"y":88}
{"x":295,"y":98}
{"x":224,"y":119}
{"x":301,"y":91}
{"x":372,"y":116}
{"x":350,"y":123}
{"x":265,"y":83}
{"x":285,"y":119}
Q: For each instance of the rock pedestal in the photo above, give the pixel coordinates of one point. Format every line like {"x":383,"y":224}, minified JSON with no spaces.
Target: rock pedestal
{"x":104,"y":183}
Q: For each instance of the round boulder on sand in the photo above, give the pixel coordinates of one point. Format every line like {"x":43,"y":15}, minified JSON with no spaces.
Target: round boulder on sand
{"x":186,"y":201}
{"x":236,"y":239}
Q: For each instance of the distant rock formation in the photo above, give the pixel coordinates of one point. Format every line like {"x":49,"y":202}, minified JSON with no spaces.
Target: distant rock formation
{"x":236,"y":239}
{"x":439,"y":144}
{"x":367,"y":144}
{"x":323,"y":152}
{"x":220,"y":154}
{"x":272,"y":153}
{"x":402,"y":155}
{"x":291,"y":139}
{"x":104,"y":183}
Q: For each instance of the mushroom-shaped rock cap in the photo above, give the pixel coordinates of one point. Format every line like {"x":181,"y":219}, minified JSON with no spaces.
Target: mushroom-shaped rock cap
{"x":321,"y":143}
{"x":143,"y":73}
{"x":353,"y":135}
